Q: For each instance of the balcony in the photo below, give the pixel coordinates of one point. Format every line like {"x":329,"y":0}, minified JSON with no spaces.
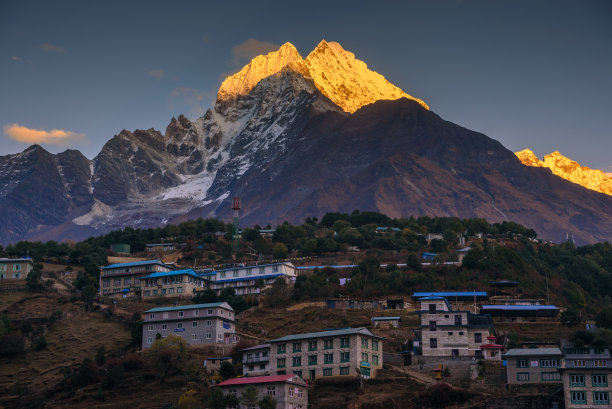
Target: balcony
{"x":256,"y":360}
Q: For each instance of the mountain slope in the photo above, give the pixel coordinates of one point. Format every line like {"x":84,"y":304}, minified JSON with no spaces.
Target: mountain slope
{"x":568,"y":169}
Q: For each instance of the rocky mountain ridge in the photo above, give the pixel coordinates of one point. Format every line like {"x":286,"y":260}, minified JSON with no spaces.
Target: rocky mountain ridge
{"x":568,"y":169}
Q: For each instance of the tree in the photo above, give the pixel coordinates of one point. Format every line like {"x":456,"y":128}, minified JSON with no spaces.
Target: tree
{"x":88,"y":295}
{"x":100,"y":357}
{"x":249,"y":396}
{"x":218,"y":400}
{"x":280,"y":250}
{"x":604,"y":318}
{"x":168,"y":355}
{"x":188,"y":401}
{"x":570,"y":317}
{"x":226,"y":370}
{"x":33,"y":280}
{"x":267,"y":402}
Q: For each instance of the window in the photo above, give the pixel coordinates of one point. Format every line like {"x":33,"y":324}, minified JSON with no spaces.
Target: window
{"x":147,"y":293}
{"x":344,"y":342}
{"x":291,"y":391}
{"x":450,"y":333}
{"x":312,"y":345}
{"x":432,"y":326}
{"x":374,"y":359}
{"x":549,"y":363}
{"x":601,"y":398}
{"x":163,"y":291}
{"x":460,"y":332}
{"x":127,"y":281}
{"x":329,"y":358}
{"x":117,"y":282}
{"x":179,"y":325}
{"x":364,"y":357}
{"x":433,"y":342}
{"x":235,"y":273}
{"x":344,"y":370}
{"x":599,"y":351}
{"x":262,"y":270}
{"x":477,"y":337}
{"x":599,"y":380}
{"x":179,"y":289}
{"x":328,"y":343}
{"x":275,"y":269}
{"x":298,"y":373}
{"x":194,"y":336}
{"x":151,"y":316}
{"x":281,"y":372}
{"x":299,"y":392}
{"x":522,"y":363}
{"x":576,"y":351}
{"x":522,"y":376}
{"x":222,"y":274}
{"x":578,"y":397}
{"x":432,"y":308}
{"x":209,"y":323}
{"x":297,"y":361}
{"x":280,"y":363}
{"x":579,"y":363}
{"x":327,"y":372}
{"x":599,"y":363}
{"x":220,"y":336}
{"x":209,"y":336}
{"x":576,"y":380}
{"x":262,"y":366}
{"x":194,"y":324}
{"x":106,"y":283}
{"x":164,"y":326}
{"x":345,"y":356}
{"x":209,"y":311}
{"x":551,"y":376}
{"x":196,"y":313}
{"x":249,"y":271}
{"x":297,"y":347}
{"x":165,"y":315}
{"x":477,"y":353}
{"x":150,"y":327}
{"x":364,"y":342}
{"x":312,"y":359}
{"x":271,"y":390}
{"x":171,"y":291}
{"x":154,"y":292}
{"x":458,"y":320}
{"x":281,"y":348}
{"x":149,"y":340}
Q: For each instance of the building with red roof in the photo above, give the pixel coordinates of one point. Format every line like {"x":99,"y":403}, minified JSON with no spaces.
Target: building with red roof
{"x":289,"y":391}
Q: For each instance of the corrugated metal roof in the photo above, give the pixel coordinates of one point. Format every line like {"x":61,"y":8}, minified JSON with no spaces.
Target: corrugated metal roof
{"x":263,"y":379}
{"x":172,"y":273}
{"x":533,"y":352}
{"x":134,"y":263}
{"x":323,"y":334}
{"x":450,"y":294}
{"x":519,"y":307}
{"x":191,"y":307}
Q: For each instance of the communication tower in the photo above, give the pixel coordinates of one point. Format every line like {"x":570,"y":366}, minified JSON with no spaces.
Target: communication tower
{"x":236,"y":225}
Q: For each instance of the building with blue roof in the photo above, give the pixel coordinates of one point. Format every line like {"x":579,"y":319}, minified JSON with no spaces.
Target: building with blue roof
{"x":122,"y":279}
{"x":517,"y":313}
{"x":246,"y":280}
{"x":469,"y":296}
{"x":177,"y":283}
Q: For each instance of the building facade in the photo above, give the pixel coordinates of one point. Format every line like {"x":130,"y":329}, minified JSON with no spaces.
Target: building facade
{"x":452,"y":334}
{"x":247,"y":280}
{"x":533,"y":365}
{"x":197,"y":324}
{"x":341,"y":352}
{"x":15,"y":268}
{"x":122,"y":279}
{"x":256,"y":360}
{"x":289,"y":391}
{"x":587,"y":380}
{"x":178,"y":283}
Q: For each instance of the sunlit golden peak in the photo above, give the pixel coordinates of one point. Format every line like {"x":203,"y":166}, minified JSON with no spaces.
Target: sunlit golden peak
{"x":336,"y":73}
{"x":568,"y":169}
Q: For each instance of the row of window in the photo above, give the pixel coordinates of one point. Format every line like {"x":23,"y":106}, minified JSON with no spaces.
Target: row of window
{"x":163,"y":291}
{"x":194,"y":313}
{"x":328,"y":343}
{"x":542,"y":363}
{"x":599,"y":398}
{"x":544,"y":376}
{"x":312,"y":373}
{"x":16,"y":267}
{"x":194,"y":324}
{"x":194,"y":337}
{"x":583,"y":351}
{"x":249,"y":271}
{"x":327,"y":359}
{"x":596,"y":380}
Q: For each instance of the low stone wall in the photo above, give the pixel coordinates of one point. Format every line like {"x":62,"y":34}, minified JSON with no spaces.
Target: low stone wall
{"x":460,"y":369}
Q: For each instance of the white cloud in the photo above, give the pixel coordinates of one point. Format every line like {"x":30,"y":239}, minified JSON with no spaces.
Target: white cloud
{"x":53,"y":48}
{"x":21,"y":60}
{"x":159,"y":74}
{"x":57,"y":137}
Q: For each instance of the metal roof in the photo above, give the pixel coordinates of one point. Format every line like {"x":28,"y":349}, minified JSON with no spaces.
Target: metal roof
{"x":228,"y":280}
{"x":323,"y":334}
{"x":188,"y":271}
{"x":191,"y":307}
{"x":135,"y":263}
{"x":256,"y":266}
{"x":12,"y":260}
{"x":519,"y":307}
{"x":450,"y":294}
{"x":263,"y":379}
{"x":386,"y":318}
{"x":533,"y":352}
{"x":262,"y":346}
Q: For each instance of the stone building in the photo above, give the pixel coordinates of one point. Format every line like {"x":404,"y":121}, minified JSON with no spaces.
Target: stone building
{"x":256,"y":360}
{"x":587,"y":382}
{"x":289,"y":391}
{"x":337,"y":352}
{"x":451,"y":334}
{"x":533,"y":365}
{"x":15,"y":268}
{"x":178,"y":283}
{"x":122,"y":279}
{"x":197,"y":324}
{"x":247,"y":280}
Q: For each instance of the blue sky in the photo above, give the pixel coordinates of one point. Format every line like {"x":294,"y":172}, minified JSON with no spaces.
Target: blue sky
{"x":534,"y":74}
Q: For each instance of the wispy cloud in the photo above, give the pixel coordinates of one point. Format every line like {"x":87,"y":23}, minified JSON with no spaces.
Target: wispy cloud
{"x":159,"y":74}
{"x":21,"y":60}
{"x":244,"y":52}
{"x":53,"y":48}
{"x":190,"y":100}
{"x":57,"y":137}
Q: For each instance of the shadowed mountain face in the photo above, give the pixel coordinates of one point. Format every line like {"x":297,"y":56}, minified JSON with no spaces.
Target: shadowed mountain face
{"x":282,"y":143}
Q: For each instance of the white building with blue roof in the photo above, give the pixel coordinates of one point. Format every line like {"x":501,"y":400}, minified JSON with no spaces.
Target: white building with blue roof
{"x":247,"y":280}
{"x":177,"y":283}
{"x":122,"y":279}
{"x":197,"y":324}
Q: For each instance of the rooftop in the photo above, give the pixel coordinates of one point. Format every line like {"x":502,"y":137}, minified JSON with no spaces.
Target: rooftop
{"x":172,"y":273}
{"x":263,"y":379}
{"x":386,"y":318}
{"x":135,"y":263}
{"x":191,"y":307}
{"x":518,"y":307}
{"x":256,"y":265}
{"x":330,"y":333}
{"x":450,"y":294}
{"x":533,"y":352}
{"x":262,"y":346}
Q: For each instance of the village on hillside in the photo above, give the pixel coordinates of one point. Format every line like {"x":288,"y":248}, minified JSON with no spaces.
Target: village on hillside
{"x":331,"y":314}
